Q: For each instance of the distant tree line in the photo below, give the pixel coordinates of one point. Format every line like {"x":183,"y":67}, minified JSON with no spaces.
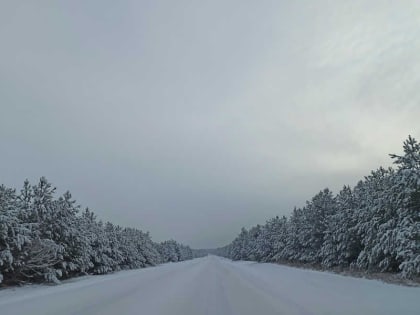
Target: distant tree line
{"x":43,"y":238}
{"x":374,"y":226}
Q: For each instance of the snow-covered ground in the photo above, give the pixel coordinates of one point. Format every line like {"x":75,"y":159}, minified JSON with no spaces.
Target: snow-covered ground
{"x":215,"y":286}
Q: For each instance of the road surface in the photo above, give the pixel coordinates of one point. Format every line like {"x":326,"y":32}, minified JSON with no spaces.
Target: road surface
{"x":215,"y":286}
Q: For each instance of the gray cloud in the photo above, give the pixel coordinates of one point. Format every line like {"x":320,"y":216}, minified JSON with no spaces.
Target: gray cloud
{"x":192,"y":119}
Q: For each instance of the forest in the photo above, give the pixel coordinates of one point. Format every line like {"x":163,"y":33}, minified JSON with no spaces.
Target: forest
{"x":373,"y":226}
{"x":45,"y":239}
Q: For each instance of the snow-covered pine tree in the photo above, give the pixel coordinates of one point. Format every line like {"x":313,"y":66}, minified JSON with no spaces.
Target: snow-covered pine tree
{"x":407,"y":230}
{"x":43,"y":254}
{"x":348,"y":243}
{"x":294,"y":229}
{"x":372,"y":209}
{"x":13,"y":234}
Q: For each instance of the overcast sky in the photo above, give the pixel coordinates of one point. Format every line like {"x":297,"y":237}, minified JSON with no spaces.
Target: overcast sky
{"x":191,"y":119}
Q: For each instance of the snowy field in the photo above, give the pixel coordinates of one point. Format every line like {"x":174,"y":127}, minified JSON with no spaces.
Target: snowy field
{"x":216,"y":286}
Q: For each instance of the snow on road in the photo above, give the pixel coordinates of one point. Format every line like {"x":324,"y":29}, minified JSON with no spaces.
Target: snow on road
{"x":216,"y":286}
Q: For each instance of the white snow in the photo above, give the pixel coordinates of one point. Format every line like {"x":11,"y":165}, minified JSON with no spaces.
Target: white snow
{"x":213,"y":285}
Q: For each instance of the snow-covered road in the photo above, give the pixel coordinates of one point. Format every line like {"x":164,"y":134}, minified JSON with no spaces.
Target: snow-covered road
{"x":215,"y":286}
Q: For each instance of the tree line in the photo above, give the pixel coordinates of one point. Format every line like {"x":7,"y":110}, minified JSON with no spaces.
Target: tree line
{"x":44,"y":238}
{"x":373,"y":226}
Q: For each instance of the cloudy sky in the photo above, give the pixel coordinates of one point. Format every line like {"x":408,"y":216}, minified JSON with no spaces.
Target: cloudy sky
{"x":191,"y":119}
